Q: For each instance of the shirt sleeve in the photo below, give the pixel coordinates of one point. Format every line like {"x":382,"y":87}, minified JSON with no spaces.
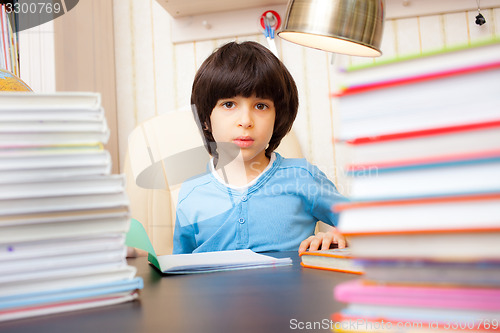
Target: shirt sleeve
{"x":325,"y":199}
{"x":184,"y":239}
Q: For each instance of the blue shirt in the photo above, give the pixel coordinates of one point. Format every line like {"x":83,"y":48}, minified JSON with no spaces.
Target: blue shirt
{"x":276,"y":213}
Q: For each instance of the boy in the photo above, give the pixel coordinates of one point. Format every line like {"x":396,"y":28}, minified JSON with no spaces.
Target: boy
{"x":246,"y":101}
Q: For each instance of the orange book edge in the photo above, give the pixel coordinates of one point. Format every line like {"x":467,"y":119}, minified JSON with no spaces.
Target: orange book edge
{"x":324,"y":254}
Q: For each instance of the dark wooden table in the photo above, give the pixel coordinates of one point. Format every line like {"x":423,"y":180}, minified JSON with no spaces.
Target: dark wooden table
{"x":280,"y":299}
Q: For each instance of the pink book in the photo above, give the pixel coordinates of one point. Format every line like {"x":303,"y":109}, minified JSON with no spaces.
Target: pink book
{"x":417,"y":296}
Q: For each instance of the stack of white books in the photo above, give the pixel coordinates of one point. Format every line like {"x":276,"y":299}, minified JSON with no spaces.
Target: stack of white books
{"x":63,"y":215}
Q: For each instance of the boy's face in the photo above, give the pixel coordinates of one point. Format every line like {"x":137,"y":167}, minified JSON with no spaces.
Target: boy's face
{"x":247,"y":122}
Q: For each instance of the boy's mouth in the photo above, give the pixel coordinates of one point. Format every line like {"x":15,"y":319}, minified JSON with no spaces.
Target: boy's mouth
{"x":243,"y":141}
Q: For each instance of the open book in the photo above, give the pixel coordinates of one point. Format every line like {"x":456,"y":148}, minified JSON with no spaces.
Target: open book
{"x":199,"y":262}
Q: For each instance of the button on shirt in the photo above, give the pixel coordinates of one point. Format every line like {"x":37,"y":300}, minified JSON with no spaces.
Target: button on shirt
{"x":275,"y":212}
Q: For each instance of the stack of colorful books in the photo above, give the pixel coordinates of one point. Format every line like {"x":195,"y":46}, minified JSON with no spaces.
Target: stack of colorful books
{"x":63,"y":216}
{"x":9,"y":38}
{"x":421,"y":139}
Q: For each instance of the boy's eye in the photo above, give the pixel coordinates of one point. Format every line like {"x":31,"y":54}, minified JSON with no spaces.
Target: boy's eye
{"x":228,"y":105}
{"x":261,"y":106}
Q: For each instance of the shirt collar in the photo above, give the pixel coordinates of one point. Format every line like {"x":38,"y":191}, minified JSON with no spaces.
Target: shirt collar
{"x":244,"y":187}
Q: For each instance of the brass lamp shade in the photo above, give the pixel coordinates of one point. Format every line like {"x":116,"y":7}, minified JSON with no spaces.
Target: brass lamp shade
{"x":351,"y":27}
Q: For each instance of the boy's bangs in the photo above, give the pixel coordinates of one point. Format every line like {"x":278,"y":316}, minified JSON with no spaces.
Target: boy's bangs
{"x":245,"y":80}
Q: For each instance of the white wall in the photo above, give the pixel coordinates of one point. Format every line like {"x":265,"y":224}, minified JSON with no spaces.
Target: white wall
{"x":36,"y":57}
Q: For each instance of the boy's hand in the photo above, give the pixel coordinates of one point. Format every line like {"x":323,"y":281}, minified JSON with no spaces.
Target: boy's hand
{"x":323,"y":240}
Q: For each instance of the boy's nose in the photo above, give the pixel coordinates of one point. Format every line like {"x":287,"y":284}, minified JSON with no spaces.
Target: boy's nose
{"x":245,"y":120}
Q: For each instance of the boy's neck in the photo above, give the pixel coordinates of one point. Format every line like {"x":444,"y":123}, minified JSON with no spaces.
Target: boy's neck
{"x":240,"y":173}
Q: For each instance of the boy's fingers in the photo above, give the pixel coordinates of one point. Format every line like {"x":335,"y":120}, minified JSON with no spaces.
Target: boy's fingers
{"x":341,"y":243}
{"x":328,"y":239}
{"x":315,"y":243}
{"x":305,"y":244}
{"x":322,"y":240}
{"x":339,"y":239}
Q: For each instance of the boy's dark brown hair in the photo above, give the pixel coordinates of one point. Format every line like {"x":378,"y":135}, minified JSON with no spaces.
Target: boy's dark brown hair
{"x":244,"y":69}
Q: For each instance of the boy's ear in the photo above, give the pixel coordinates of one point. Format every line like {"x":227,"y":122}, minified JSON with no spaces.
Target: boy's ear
{"x":205,"y":126}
